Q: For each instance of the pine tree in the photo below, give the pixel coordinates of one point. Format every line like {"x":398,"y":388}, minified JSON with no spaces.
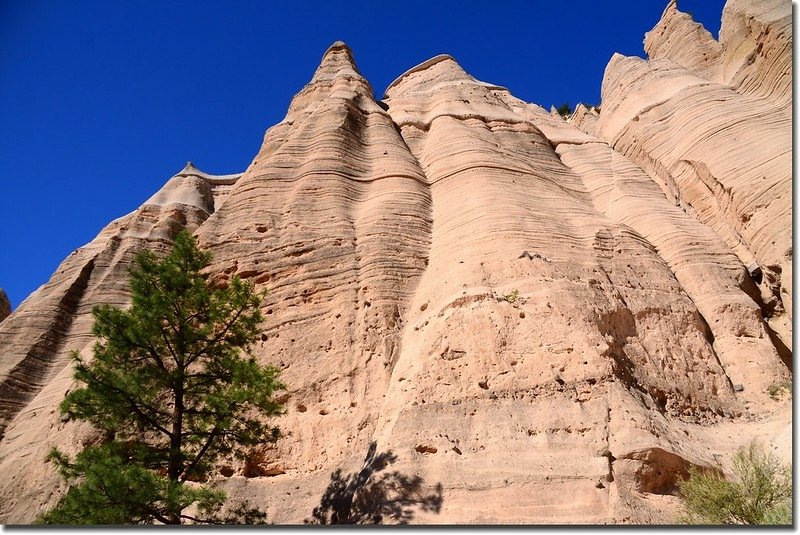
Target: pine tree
{"x":172,"y":390}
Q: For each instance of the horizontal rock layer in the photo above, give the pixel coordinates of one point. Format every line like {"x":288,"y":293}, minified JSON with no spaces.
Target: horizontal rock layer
{"x":545,"y":321}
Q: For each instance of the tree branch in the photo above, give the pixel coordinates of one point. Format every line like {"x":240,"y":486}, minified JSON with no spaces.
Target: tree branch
{"x":219,"y":336}
{"x":161,"y":518}
{"x":202,"y":521}
{"x":196,"y":460}
{"x":169,"y":346}
{"x":132,"y":403}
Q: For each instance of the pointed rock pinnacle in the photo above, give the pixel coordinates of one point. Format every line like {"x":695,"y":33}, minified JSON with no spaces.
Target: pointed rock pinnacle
{"x":337,"y":61}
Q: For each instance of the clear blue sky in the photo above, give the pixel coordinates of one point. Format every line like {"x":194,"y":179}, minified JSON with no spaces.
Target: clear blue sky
{"x":102,"y":101}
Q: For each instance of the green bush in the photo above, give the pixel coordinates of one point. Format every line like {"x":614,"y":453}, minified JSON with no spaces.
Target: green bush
{"x":779,"y":516}
{"x":777,"y":390}
{"x":760,"y":494}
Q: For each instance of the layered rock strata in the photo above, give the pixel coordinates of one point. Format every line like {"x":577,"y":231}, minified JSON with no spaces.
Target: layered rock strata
{"x":712,"y":124}
{"x":545,"y":321}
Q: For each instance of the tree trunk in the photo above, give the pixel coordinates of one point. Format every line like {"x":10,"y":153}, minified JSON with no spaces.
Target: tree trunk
{"x":175,"y":461}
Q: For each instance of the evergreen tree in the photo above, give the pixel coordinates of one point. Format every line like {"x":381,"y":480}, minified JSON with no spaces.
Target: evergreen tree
{"x":171,"y":390}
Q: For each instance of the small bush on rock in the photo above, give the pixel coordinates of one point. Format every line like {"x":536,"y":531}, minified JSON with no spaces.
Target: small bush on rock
{"x":777,"y":390}
{"x":760,"y":494}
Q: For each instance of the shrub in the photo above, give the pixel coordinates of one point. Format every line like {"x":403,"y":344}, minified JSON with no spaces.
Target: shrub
{"x":565,"y":110}
{"x":760,"y":494}
{"x":777,"y":390}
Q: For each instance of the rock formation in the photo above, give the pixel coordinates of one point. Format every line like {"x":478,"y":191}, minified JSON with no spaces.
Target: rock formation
{"x":5,"y":305}
{"x":547,"y":321}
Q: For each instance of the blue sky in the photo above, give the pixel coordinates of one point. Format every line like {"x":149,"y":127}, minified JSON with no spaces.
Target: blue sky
{"x":102,"y":101}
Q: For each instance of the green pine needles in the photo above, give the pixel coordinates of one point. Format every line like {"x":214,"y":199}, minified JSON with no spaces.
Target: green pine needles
{"x":172,"y":389}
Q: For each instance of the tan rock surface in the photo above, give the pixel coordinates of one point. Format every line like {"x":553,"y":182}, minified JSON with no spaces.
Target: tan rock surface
{"x":691,"y":135}
{"x":547,"y":321}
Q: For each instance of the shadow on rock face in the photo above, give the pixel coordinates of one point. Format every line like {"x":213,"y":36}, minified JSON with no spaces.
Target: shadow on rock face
{"x":372,"y":496}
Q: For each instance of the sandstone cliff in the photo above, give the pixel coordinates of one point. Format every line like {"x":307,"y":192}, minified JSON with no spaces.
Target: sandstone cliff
{"x":5,"y":305}
{"x":545,"y":320}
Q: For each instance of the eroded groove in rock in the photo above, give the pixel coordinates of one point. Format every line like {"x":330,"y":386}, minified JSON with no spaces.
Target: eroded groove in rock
{"x":752,"y":60}
{"x":26,"y":377}
{"x":712,"y":276}
{"x":749,"y":349}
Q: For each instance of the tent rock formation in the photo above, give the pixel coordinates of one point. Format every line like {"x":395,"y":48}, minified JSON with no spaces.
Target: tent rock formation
{"x":552,"y":319}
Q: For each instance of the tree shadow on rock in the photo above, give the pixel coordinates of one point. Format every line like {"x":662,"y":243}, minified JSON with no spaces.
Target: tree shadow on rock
{"x":372,"y":496}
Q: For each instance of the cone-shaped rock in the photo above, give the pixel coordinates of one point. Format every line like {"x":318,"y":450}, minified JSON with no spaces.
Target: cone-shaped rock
{"x":333,"y":216}
{"x":536,"y":320}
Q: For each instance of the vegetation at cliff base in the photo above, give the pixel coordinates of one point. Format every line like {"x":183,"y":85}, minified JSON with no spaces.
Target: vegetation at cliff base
{"x":761,"y":492}
{"x":171,"y":389}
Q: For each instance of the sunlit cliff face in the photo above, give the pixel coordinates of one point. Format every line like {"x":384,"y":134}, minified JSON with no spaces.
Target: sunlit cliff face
{"x":531,"y":319}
